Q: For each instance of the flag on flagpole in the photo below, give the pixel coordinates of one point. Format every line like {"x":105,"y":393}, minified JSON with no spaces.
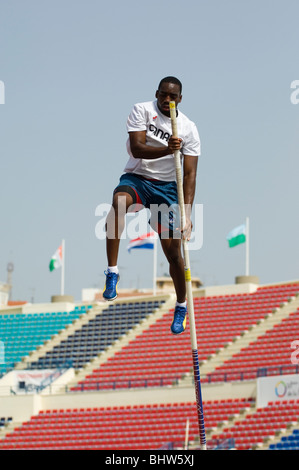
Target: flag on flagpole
{"x":144,"y":241}
{"x":56,"y":260}
{"x":237,"y":236}
{"x":148,"y":241}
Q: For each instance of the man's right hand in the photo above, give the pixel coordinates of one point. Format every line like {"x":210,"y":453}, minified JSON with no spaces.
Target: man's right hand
{"x":174,"y":144}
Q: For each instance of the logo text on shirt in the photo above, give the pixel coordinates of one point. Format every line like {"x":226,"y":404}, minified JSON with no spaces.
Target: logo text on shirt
{"x":159,"y":133}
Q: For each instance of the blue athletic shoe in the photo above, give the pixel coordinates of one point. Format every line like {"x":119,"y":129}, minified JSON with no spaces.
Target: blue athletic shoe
{"x":179,"y":320}
{"x":110,"y":291}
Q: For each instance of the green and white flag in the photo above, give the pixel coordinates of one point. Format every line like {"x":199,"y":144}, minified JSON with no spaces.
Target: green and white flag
{"x":237,"y":236}
{"x":56,"y":260}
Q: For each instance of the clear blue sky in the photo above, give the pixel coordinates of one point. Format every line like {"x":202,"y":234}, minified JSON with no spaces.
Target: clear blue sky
{"x":72,"y":71}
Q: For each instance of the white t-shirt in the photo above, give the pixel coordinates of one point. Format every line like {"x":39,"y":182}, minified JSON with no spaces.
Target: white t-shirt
{"x":147,"y":117}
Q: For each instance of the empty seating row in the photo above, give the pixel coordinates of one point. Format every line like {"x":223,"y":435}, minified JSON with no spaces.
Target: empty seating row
{"x":290,"y":442}
{"x":22,"y":333}
{"x":131,"y":427}
{"x":95,"y":336}
{"x":261,"y":425}
{"x":156,"y":356}
{"x":271,"y":351}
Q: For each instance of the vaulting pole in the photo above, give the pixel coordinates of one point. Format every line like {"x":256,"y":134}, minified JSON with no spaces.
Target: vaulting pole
{"x":190,"y":302}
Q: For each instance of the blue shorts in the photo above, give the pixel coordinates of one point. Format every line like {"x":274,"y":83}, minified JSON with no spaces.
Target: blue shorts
{"x":159,"y":196}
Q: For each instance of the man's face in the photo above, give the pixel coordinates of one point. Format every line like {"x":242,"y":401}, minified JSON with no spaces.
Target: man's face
{"x":168,"y":92}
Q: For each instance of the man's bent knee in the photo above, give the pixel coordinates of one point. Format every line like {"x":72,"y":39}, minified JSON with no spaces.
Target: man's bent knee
{"x":121,"y":202}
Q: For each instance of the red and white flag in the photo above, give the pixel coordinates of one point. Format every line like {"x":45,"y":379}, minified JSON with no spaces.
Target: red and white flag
{"x":146,"y":241}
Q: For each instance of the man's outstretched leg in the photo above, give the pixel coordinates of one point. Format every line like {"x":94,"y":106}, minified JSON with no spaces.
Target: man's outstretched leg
{"x":172,"y":251}
{"x":115,"y":223}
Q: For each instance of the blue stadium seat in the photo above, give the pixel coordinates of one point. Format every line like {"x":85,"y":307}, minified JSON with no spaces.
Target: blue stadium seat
{"x":22,"y":333}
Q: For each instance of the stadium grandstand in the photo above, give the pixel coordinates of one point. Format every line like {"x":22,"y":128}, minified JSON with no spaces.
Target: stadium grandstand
{"x":111,"y":376}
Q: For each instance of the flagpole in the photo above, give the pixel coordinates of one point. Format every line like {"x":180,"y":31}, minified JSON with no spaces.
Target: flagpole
{"x":247,"y":247}
{"x":155,"y":267}
{"x":62,"y":267}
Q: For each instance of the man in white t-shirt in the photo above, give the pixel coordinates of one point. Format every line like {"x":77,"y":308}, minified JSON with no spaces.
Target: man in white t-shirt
{"x":149,"y":180}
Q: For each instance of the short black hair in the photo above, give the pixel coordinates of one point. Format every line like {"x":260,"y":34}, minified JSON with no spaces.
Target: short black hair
{"x":173,"y":80}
